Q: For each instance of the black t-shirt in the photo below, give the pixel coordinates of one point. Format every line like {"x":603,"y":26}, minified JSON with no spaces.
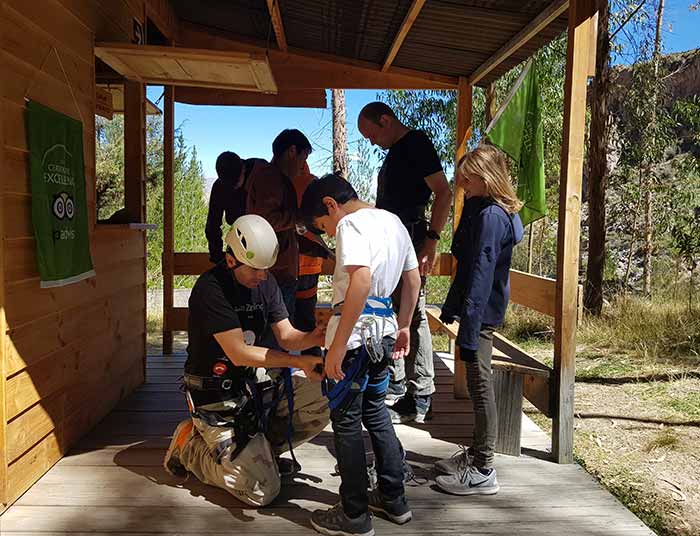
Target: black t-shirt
{"x":401,"y":186}
{"x":219,"y":303}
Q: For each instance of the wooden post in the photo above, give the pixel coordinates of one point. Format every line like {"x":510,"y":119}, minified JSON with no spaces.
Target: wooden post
{"x":168,"y":215}
{"x":579,"y":50}
{"x":464,"y":122}
{"x":3,"y":337}
{"x":134,"y":150}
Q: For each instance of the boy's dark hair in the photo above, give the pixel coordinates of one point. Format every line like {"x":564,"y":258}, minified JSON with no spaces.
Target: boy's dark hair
{"x":288,"y":138}
{"x":229,"y":166}
{"x":375,"y":110}
{"x":327,"y":186}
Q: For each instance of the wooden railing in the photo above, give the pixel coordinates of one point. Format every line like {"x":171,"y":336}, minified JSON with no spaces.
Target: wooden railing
{"x":528,"y":290}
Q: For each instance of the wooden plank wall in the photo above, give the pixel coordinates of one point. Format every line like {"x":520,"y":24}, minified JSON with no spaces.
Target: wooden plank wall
{"x":68,"y":354}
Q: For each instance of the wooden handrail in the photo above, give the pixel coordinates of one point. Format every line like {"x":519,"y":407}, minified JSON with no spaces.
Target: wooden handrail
{"x":532,"y":291}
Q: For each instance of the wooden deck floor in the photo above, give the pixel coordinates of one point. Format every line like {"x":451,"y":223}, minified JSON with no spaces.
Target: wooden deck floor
{"x":113,"y":482}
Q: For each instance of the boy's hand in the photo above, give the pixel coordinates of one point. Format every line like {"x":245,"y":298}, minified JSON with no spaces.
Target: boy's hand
{"x":334,"y":364}
{"x":312,"y":366}
{"x":402,"y":345}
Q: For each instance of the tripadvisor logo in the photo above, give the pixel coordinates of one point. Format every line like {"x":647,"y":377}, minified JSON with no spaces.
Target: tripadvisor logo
{"x":57,"y":171}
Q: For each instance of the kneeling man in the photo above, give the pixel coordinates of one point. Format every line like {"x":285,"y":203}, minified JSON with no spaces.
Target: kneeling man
{"x":247,"y":406}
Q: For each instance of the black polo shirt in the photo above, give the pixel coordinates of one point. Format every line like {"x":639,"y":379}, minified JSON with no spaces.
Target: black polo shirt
{"x":219,"y":303}
{"x":401,"y":186}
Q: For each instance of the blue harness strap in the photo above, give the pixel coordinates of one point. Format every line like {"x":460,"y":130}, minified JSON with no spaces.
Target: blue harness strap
{"x":264,"y":410}
{"x":289,"y":391}
{"x":375,"y":305}
{"x":355,"y":381}
{"x":356,"y":378}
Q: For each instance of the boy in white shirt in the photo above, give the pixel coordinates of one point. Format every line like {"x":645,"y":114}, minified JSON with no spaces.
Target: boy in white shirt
{"x":373,"y":252}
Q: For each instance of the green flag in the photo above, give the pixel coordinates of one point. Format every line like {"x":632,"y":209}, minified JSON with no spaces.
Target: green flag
{"x":517,"y":131}
{"x":59,"y":205}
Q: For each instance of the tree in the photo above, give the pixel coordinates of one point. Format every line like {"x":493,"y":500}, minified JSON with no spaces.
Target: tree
{"x":648,"y":218}
{"x":109,"y":165}
{"x":190,"y":201}
{"x":340,"y":144}
{"x":598,"y":165}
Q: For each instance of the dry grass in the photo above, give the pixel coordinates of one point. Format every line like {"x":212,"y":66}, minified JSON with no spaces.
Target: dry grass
{"x":637,"y":408}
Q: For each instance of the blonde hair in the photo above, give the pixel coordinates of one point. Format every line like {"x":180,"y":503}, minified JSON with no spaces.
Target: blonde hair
{"x":491,"y":164}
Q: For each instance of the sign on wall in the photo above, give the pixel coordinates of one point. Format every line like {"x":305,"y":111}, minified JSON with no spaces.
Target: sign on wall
{"x":59,"y":204}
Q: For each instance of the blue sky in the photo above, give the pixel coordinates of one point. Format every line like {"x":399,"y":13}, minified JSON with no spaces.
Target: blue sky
{"x":249,"y":131}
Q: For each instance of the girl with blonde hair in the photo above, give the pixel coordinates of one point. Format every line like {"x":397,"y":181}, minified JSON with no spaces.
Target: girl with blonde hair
{"x":483,"y":245}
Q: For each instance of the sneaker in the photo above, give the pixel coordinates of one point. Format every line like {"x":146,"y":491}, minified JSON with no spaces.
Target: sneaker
{"x":287,"y":467}
{"x":412,"y":408}
{"x":395,"y":392}
{"x":404,"y":410}
{"x":457,"y":462}
{"x":181,"y":436}
{"x":396,"y":510}
{"x":334,"y":522}
{"x":470,"y":481}
{"x":424,"y":409}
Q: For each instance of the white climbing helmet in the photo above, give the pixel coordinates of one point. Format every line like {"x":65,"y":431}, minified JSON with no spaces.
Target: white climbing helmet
{"x":253,"y":241}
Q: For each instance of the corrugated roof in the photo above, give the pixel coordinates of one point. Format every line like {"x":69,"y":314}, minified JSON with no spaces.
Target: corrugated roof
{"x":449,"y":37}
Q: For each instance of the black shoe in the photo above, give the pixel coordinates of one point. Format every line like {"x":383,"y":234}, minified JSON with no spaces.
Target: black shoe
{"x":395,"y":392}
{"x":287,"y":467}
{"x":334,"y":522}
{"x":404,"y":410}
{"x":395,"y":510}
{"x":424,"y":408}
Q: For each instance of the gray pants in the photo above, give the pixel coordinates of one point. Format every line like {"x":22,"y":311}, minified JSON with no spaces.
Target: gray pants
{"x":417,"y":368}
{"x":252,"y":476}
{"x":480,"y":385}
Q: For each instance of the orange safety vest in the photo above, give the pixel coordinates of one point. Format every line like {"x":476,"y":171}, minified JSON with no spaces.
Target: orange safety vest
{"x":307,"y":265}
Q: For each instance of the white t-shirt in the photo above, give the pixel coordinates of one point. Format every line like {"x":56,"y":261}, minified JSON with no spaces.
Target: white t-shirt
{"x":375,"y":238}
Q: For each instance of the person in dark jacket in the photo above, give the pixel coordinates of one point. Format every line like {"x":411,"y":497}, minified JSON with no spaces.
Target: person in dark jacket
{"x":227,"y":198}
{"x":271,"y":195}
{"x":483,"y":244}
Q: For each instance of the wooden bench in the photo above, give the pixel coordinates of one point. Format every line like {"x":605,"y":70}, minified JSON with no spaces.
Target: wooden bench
{"x":516,"y":375}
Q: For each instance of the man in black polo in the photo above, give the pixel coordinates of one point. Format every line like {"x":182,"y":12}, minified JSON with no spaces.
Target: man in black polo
{"x":240,"y":409}
{"x":410,"y":175}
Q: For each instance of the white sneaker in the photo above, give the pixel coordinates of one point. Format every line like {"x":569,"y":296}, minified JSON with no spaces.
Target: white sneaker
{"x":457,"y":463}
{"x":469,"y":482}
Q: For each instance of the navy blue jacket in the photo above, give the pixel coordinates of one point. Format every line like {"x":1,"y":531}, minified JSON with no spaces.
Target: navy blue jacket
{"x":483,"y":246}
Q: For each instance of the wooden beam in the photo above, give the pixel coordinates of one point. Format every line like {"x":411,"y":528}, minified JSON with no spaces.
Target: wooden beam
{"x":276,"y":17}
{"x":302,"y":69}
{"x":539,"y":23}
{"x":134,"y":150}
{"x":3,"y":325}
{"x":297,"y":98}
{"x":579,"y":49}
{"x":464,"y":124}
{"x":406,"y":25}
{"x":168,"y":214}
{"x":164,"y":17}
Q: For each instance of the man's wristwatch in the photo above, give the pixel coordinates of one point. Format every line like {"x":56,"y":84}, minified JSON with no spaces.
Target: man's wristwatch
{"x":433,"y":235}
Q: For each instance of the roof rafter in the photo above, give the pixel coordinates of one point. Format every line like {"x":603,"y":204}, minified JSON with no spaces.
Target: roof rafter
{"x":539,"y":23}
{"x":408,"y":21}
{"x":276,"y":17}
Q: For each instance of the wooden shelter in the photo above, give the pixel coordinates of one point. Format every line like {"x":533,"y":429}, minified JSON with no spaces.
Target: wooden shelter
{"x":68,"y":355}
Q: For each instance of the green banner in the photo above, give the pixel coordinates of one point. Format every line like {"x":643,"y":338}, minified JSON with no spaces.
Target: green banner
{"x":517,"y":131}
{"x":59,"y":205}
